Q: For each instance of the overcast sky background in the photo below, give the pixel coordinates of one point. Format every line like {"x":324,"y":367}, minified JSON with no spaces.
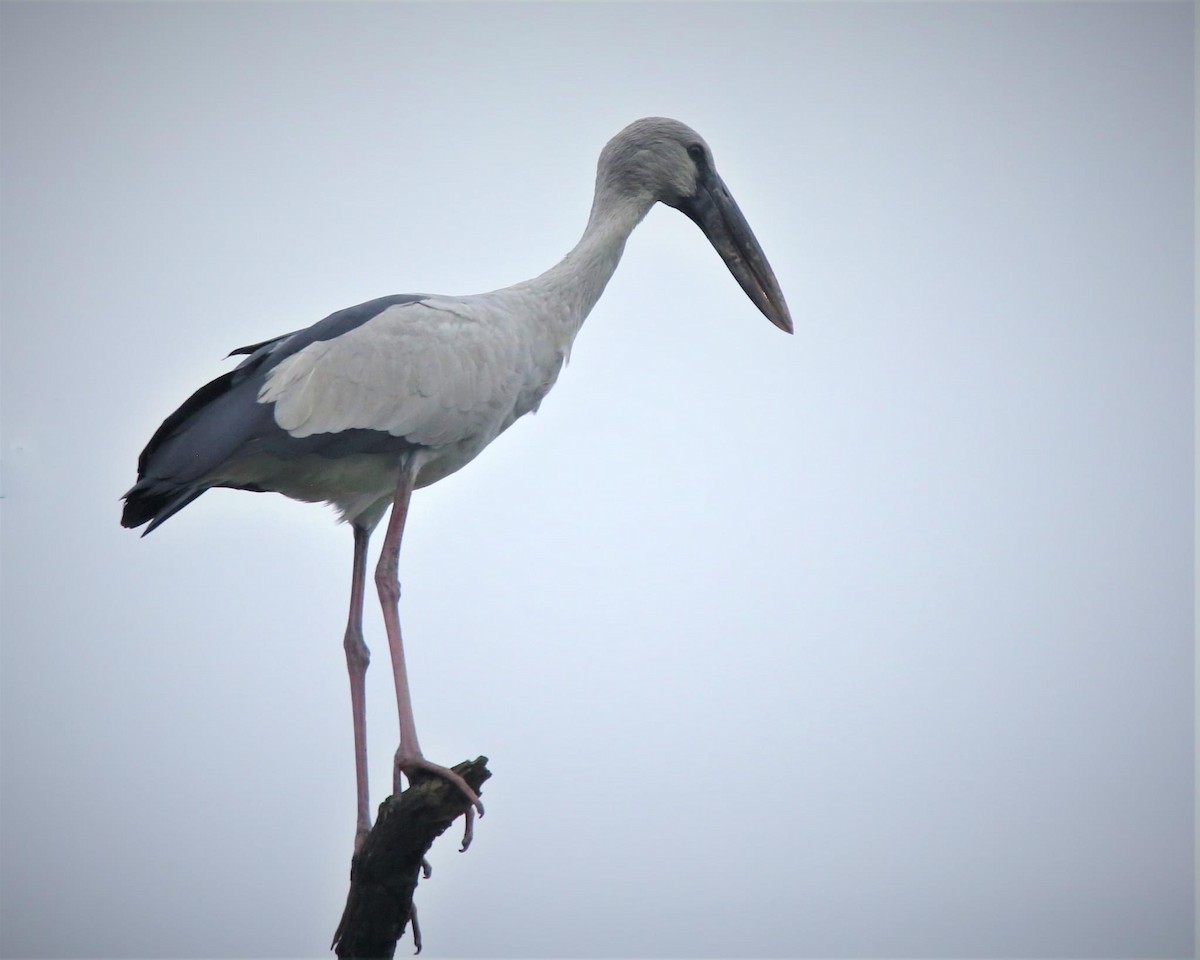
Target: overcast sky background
{"x":872,"y":641}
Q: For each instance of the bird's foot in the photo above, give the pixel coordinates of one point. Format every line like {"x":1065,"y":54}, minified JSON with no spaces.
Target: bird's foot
{"x":416,"y":767}
{"x":416,"y":928}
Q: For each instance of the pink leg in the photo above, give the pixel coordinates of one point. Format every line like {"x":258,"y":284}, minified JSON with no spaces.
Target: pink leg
{"x":357,"y":658}
{"x":408,"y":757}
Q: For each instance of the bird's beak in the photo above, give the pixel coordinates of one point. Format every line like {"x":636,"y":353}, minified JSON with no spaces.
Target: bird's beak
{"x":714,"y":211}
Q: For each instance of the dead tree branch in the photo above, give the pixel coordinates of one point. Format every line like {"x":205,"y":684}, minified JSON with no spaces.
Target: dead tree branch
{"x":384,"y":873}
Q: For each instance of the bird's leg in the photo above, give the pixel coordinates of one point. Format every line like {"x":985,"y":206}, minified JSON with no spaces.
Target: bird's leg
{"x":409,"y":760}
{"x":357,"y":659}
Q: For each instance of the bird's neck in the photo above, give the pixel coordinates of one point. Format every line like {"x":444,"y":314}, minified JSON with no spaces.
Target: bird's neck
{"x":574,"y":284}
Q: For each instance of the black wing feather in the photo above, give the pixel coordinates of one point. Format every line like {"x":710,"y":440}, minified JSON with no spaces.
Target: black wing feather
{"x":222,"y":415}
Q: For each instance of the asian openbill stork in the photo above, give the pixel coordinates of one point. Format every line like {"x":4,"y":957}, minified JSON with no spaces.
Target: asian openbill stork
{"x":384,"y":397}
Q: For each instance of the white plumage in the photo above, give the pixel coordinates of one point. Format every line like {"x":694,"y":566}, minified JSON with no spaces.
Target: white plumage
{"x":437,"y":371}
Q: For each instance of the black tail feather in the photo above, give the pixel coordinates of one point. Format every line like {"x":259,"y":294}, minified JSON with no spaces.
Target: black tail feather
{"x":155,"y":504}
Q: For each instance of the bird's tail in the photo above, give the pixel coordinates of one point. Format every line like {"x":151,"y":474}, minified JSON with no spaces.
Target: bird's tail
{"x":154,"y":502}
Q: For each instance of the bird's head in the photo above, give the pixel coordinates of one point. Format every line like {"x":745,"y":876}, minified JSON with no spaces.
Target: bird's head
{"x":657,"y":159}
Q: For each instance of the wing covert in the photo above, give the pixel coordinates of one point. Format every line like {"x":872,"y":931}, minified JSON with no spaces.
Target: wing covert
{"x":427,"y":371}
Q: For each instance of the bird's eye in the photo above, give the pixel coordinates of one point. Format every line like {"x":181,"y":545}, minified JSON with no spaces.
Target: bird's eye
{"x":696,"y":152}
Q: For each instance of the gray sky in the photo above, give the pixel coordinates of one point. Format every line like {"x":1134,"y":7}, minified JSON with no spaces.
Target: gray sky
{"x":874,"y":641}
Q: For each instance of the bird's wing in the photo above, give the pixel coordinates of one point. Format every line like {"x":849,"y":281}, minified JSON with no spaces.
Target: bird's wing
{"x":223,"y":419}
{"x":260,"y":356}
{"x":434,"y":371}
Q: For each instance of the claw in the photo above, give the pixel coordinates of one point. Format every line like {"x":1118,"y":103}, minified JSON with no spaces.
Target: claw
{"x":469,"y":830}
{"x":411,"y":765}
{"x":416,"y":929}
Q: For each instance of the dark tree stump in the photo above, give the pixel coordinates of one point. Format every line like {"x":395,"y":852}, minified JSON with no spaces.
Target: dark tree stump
{"x":384,"y":873}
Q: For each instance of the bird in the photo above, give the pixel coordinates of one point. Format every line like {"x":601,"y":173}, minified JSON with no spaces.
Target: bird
{"x":380,"y":399}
